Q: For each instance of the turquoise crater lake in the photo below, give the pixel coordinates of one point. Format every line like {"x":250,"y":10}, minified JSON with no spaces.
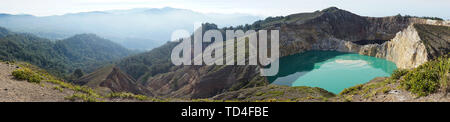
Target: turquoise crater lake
{"x":331,"y":70}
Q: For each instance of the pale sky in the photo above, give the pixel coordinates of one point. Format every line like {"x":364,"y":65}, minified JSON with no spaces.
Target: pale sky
{"x":439,"y":8}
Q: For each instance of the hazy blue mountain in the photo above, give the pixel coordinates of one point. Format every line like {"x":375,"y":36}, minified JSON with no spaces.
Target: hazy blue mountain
{"x":141,"y":28}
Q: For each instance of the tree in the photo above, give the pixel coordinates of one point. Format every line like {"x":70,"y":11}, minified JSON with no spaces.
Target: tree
{"x":78,"y":73}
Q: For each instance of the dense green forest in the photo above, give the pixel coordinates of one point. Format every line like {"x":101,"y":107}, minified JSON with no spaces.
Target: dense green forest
{"x":62,"y":57}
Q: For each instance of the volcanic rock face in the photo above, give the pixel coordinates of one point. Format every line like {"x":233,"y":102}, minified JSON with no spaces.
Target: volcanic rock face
{"x":118,"y":81}
{"x":406,"y":49}
{"x":393,"y":38}
{"x":410,"y":47}
{"x":113,"y":80}
{"x":333,"y":27}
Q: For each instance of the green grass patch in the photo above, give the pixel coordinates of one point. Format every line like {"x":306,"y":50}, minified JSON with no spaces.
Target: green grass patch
{"x":83,"y":97}
{"x":58,"y":88}
{"x":398,"y":73}
{"x":127,"y":95}
{"x":27,"y":74}
{"x":351,"y":89}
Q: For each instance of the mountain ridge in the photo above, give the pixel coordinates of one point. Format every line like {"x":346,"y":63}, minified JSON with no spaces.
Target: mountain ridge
{"x":60,"y":57}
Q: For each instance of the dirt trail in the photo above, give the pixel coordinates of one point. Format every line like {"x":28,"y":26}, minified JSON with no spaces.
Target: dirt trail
{"x":12,"y":90}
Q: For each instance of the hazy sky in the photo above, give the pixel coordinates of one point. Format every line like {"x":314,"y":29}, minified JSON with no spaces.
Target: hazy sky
{"x":439,"y":8}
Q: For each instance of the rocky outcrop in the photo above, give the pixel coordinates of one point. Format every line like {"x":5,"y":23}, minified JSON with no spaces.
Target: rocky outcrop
{"x":112,"y":79}
{"x":406,"y":50}
{"x":204,"y":81}
{"x":118,"y":81}
{"x":412,"y":47}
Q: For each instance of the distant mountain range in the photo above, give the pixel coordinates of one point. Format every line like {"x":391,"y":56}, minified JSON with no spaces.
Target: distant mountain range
{"x":141,"y":28}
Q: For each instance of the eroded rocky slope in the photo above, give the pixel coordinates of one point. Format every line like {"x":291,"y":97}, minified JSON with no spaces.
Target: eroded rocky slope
{"x":204,"y":81}
{"x":112,"y":79}
{"x":278,"y":93}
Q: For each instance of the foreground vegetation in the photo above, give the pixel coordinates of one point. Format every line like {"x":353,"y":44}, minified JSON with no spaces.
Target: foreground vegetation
{"x":34,"y":74}
{"x":428,"y":78}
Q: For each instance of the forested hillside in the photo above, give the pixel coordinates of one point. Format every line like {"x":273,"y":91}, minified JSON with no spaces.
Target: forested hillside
{"x":156,"y":61}
{"x":62,"y":57}
{"x":139,"y":28}
{"x":88,"y":51}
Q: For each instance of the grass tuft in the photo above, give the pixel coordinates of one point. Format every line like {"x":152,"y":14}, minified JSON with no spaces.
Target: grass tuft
{"x":27,"y":74}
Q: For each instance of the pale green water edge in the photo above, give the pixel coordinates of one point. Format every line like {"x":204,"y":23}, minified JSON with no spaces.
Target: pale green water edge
{"x":331,"y":70}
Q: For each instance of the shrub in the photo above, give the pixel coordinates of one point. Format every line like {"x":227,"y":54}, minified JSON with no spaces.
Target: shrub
{"x":351,"y":89}
{"x":275,"y":93}
{"x":83,"y":89}
{"x":58,"y":88}
{"x":398,"y":73}
{"x":22,"y":74}
{"x":421,"y":83}
{"x":83,"y":97}
{"x":27,"y":74}
{"x":127,"y":96}
{"x":424,"y":79}
{"x":443,"y":65}
{"x":428,"y":78}
{"x":35,"y":78}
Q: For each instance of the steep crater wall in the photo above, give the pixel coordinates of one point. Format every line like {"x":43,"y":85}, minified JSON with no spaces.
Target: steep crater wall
{"x":395,"y":38}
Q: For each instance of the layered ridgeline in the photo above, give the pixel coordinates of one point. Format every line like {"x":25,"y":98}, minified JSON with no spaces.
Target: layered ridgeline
{"x":141,"y":28}
{"x":85,"y":51}
{"x":329,"y":29}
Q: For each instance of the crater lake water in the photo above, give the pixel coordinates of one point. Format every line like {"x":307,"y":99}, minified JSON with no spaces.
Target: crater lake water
{"x":331,"y":70}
